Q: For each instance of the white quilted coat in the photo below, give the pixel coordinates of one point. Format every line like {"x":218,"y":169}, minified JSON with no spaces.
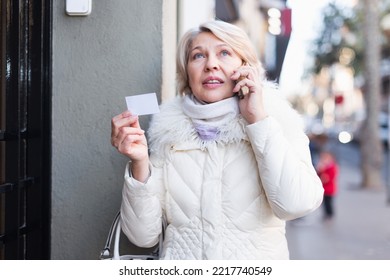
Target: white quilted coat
{"x":227,"y":199}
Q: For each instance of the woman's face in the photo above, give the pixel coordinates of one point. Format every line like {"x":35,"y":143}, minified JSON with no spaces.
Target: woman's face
{"x":211,"y":63}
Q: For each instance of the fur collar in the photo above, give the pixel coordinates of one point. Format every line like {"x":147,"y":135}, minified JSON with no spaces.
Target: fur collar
{"x":171,"y":128}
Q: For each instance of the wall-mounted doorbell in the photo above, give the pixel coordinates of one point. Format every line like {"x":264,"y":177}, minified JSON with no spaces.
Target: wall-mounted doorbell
{"x":78,"y":7}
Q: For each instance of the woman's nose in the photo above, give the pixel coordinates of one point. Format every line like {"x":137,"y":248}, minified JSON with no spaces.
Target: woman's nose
{"x":212,"y":63}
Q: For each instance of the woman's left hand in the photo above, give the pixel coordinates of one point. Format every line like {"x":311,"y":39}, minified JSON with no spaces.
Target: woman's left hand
{"x":251,"y":104}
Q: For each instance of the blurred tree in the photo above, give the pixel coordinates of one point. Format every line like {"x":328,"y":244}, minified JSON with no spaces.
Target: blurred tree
{"x":371,"y":146}
{"x":352,"y":37}
{"x":341,"y":31}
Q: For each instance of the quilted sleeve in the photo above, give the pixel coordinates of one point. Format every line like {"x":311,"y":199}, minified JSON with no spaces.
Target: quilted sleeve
{"x":289,"y":179}
{"x":141,"y":208}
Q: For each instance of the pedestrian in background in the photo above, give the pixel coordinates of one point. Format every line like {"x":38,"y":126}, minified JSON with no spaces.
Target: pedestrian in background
{"x":229,"y":161}
{"x":327,"y":170}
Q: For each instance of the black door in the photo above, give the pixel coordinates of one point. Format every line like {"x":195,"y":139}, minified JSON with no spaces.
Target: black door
{"x":25,"y":118}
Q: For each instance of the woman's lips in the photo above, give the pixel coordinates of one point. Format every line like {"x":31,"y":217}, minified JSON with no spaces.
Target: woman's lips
{"x":212,"y":82}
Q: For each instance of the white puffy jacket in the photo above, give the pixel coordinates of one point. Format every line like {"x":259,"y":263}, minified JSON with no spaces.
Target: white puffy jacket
{"x":227,"y":199}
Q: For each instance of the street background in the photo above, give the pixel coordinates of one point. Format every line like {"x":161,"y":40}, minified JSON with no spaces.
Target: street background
{"x":361,"y":226}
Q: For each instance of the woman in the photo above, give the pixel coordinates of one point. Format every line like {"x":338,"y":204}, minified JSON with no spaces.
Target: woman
{"x":225,"y":171}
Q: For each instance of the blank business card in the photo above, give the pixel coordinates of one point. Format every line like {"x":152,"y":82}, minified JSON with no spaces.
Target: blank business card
{"x":143,"y":104}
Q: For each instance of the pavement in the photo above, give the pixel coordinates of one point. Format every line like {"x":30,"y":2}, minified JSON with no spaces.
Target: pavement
{"x":360,"y":229}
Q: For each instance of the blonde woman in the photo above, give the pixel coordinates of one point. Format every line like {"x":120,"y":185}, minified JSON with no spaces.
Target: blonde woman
{"x":226,"y":162}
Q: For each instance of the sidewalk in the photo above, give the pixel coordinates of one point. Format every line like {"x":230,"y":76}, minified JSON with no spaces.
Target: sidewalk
{"x":361,"y":226}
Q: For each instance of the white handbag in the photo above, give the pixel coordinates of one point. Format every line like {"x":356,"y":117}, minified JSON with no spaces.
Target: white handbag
{"x":115,"y":233}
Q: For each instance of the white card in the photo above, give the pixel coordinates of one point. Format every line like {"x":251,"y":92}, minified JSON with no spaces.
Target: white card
{"x":143,"y":104}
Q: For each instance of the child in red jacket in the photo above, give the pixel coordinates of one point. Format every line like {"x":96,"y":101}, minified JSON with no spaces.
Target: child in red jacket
{"x":327,"y":169}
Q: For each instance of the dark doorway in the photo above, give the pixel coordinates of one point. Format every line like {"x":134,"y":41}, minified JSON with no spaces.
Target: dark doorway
{"x":25,"y":119}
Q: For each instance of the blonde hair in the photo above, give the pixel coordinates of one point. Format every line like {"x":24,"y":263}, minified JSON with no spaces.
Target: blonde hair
{"x":232,"y":35}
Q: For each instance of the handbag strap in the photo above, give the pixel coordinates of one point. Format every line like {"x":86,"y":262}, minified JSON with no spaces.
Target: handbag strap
{"x":116,"y":229}
{"x":116,"y":255}
{"x":105,"y":253}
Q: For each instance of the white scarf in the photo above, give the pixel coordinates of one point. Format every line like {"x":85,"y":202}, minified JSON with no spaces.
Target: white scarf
{"x":209,"y":118}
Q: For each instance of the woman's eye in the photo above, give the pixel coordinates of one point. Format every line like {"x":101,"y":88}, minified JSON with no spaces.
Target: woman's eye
{"x":225,"y":53}
{"x":198,"y":55}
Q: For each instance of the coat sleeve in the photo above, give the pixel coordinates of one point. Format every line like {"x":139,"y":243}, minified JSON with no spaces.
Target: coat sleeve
{"x":289,"y":179}
{"x":141,"y":210}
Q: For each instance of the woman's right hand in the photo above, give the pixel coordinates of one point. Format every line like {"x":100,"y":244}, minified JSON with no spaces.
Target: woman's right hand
{"x":128,"y":137}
